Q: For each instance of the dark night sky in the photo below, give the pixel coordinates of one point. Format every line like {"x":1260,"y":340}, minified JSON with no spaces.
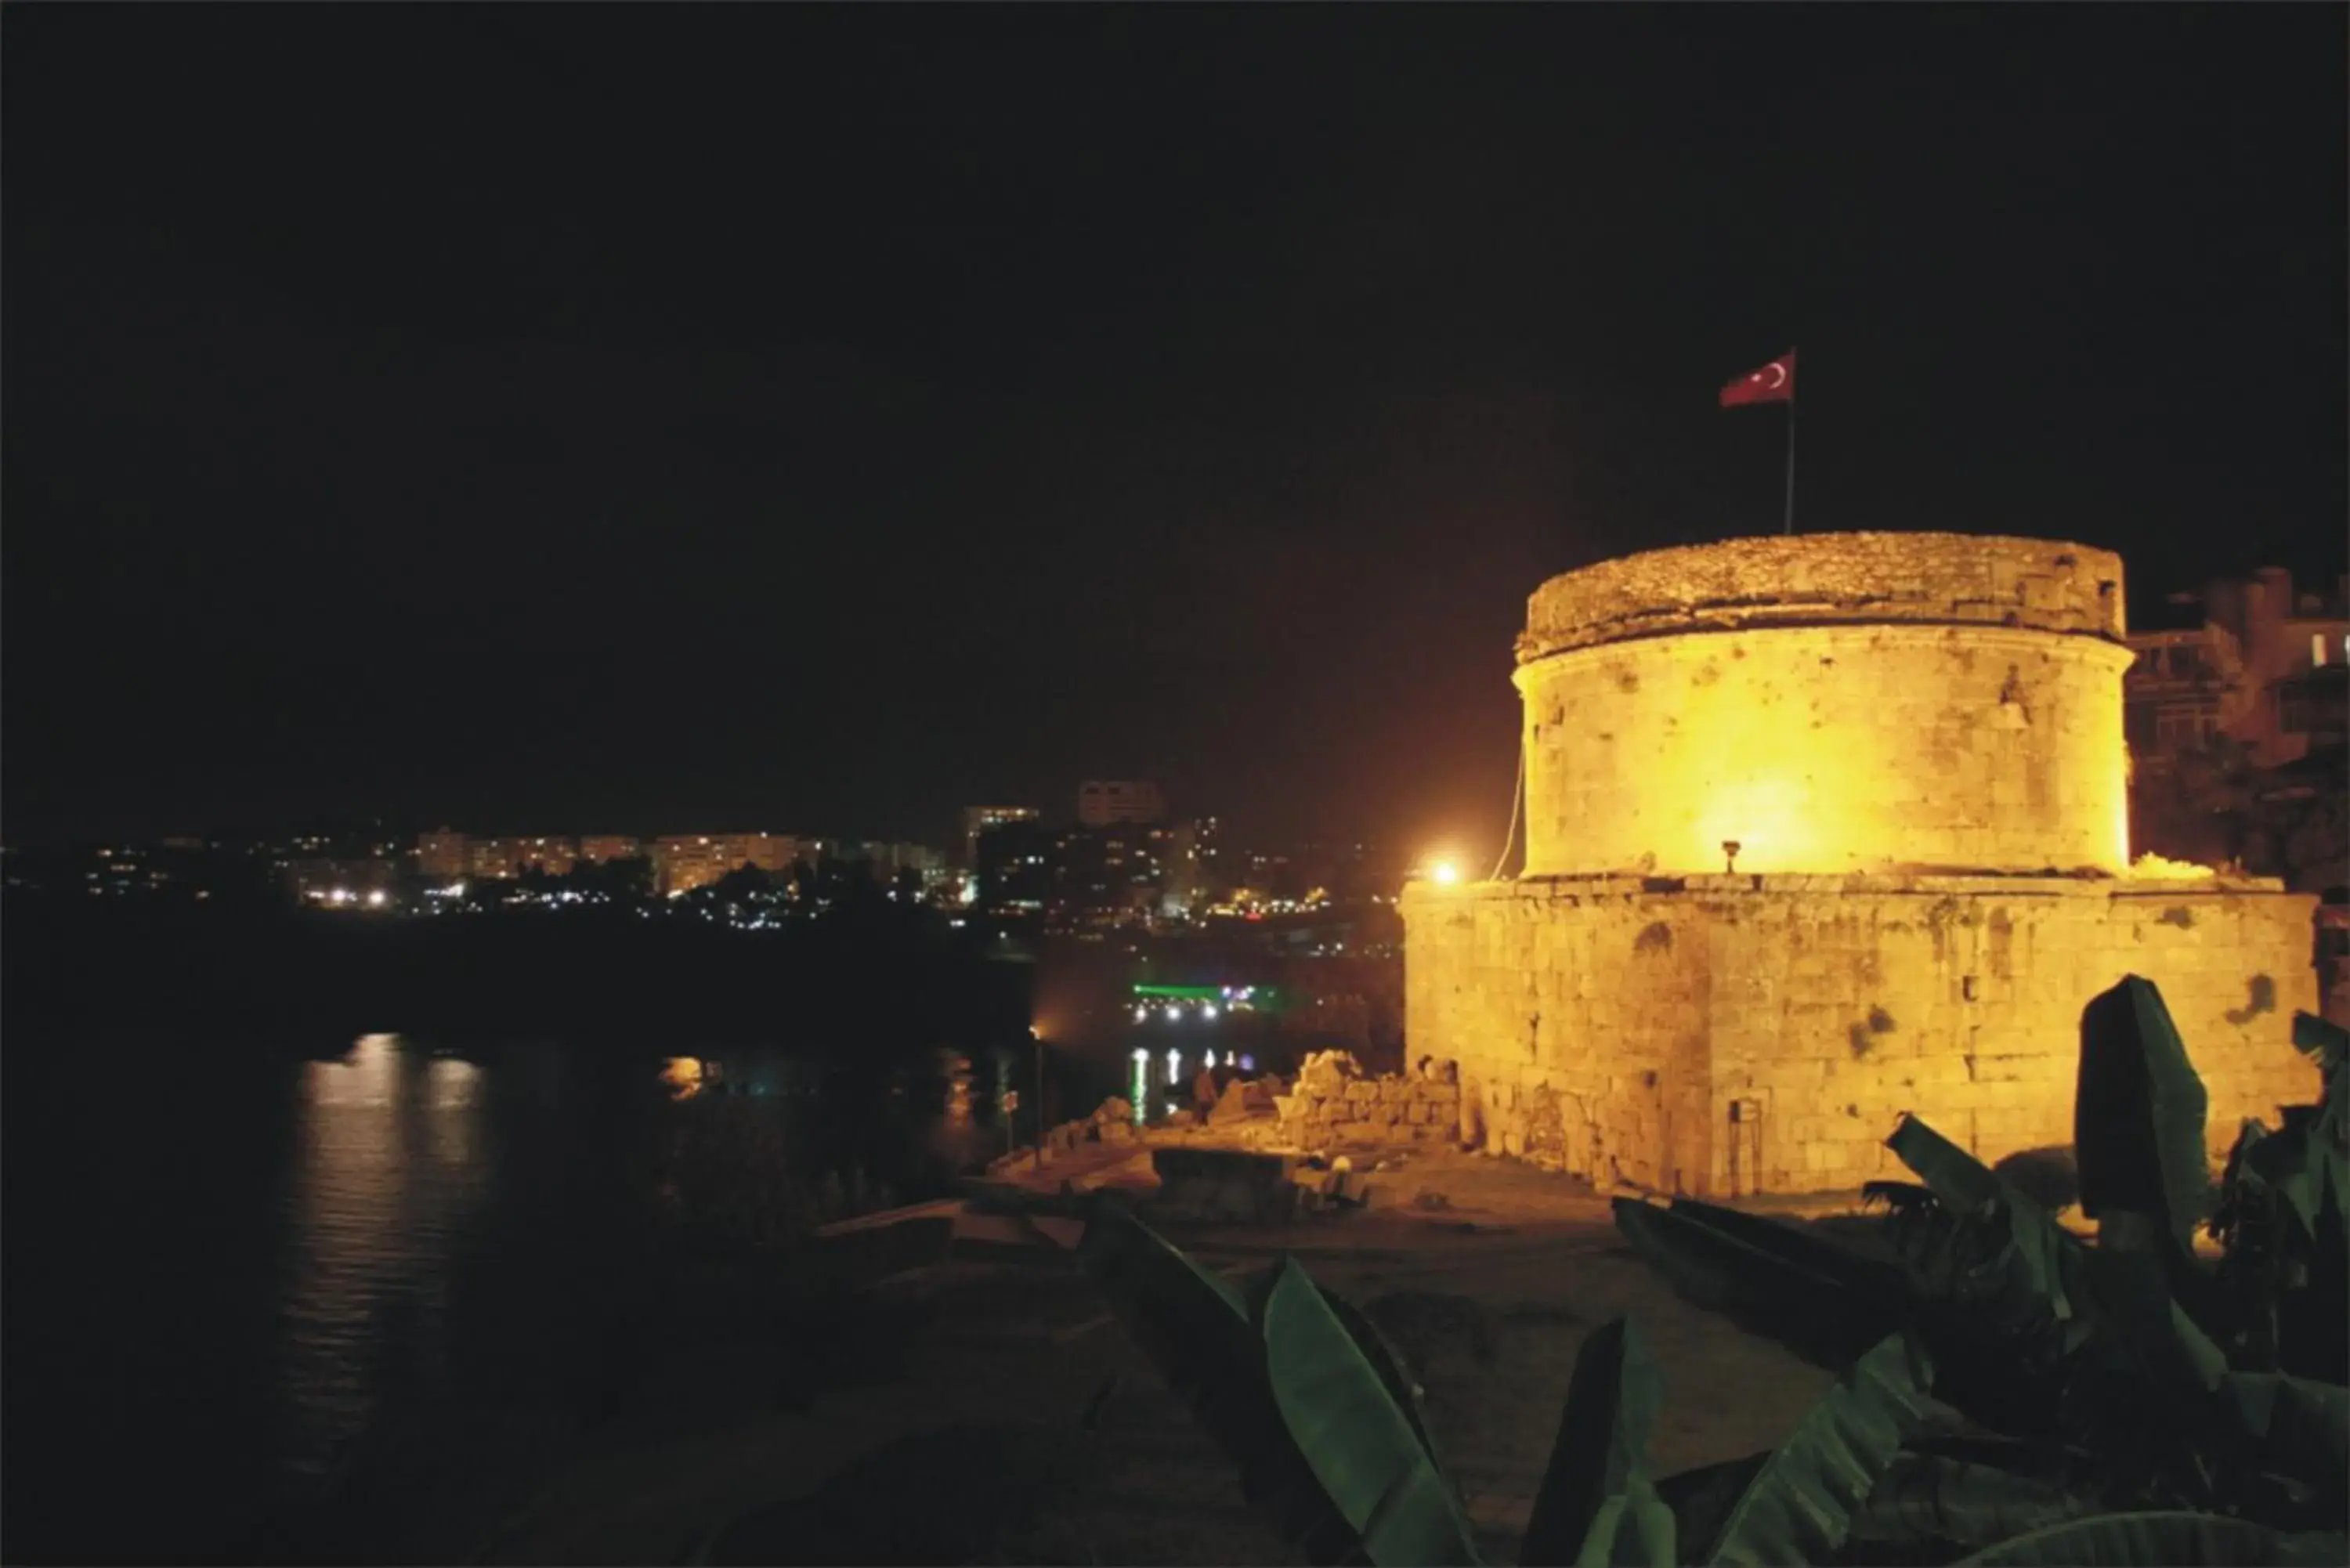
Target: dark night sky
{"x":633,"y":418}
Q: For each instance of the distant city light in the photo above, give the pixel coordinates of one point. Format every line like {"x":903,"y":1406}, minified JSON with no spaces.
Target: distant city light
{"x":375,"y":900}
{"x":1210,"y":1060}
{"x":1140,"y":1055}
{"x":1207,"y":1010}
{"x":1174,"y":1061}
{"x":1174,"y":1013}
{"x":1142,"y":1015}
{"x":1248,"y":1063}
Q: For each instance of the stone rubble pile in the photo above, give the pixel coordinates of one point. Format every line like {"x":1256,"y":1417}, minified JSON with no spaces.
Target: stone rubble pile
{"x":1335,"y":1101}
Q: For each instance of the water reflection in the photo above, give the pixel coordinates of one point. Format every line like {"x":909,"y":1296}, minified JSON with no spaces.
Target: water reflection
{"x":299,"y":1300}
{"x":387,"y":1168}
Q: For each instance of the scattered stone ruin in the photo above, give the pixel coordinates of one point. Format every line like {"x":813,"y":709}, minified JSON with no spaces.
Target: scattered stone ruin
{"x":1334,"y":1103}
{"x":1818,"y":830}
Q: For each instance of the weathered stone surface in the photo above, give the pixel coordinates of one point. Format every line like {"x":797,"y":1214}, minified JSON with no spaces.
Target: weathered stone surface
{"x":1818,"y":1016}
{"x":1363,"y":1090}
{"x":1907,"y":737}
{"x":1831,"y":703}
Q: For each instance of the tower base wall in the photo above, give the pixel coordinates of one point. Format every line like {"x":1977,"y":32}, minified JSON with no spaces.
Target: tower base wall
{"x":1732,"y":1035}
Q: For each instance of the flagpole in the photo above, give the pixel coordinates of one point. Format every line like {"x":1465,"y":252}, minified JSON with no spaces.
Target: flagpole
{"x":1788,"y":454}
{"x":1791,"y":465}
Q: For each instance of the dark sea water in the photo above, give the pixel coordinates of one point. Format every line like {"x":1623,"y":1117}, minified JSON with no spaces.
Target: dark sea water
{"x":239,"y":1282}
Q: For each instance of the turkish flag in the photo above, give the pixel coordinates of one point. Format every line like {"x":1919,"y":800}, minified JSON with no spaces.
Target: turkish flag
{"x":1774,"y":383}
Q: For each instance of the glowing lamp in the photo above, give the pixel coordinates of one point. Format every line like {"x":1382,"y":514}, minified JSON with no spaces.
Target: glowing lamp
{"x":1444,"y":873}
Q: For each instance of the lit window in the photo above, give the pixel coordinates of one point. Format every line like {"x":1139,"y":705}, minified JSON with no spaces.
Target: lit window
{"x":2317,"y":648}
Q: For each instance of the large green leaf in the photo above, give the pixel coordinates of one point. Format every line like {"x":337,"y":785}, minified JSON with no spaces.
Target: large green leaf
{"x":1701,"y":1499}
{"x":2006,"y":1255}
{"x":2138,"y":1109}
{"x":2138,"y":1539}
{"x":2323,"y":1041}
{"x":2143,"y":1329}
{"x":1596,"y":1504}
{"x":1793,"y":1244}
{"x":1360,"y":1446}
{"x":1385,"y":1360}
{"x":1924,"y":1499}
{"x":1197,"y":1329}
{"x":1800,"y":1504}
{"x":1825,"y":1316}
{"x":2295,"y":1426}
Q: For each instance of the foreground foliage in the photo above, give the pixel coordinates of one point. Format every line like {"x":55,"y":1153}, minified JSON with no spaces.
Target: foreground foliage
{"x":2006,"y":1393}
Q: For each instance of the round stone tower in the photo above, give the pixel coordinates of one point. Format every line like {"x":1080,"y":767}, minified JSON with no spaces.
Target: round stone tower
{"x":1830,"y":703}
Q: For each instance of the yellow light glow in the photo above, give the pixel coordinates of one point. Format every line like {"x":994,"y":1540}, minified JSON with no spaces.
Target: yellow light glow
{"x":2156,"y":867}
{"x":1444,"y":873}
{"x":683,"y":1076}
{"x":1770,"y":820}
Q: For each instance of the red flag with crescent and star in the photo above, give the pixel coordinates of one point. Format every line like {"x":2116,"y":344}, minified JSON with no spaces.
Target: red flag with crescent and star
{"x":1774,"y":383}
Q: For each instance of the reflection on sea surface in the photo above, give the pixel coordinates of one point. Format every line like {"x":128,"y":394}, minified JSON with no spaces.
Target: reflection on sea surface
{"x":388,"y":1167}
{"x":251,"y":1289}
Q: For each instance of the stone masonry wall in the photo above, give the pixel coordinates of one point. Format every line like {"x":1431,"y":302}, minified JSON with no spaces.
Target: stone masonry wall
{"x":1804,"y":579}
{"x":1830,"y":748}
{"x":1613,"y":1026}
{"x":1334,"y":1102}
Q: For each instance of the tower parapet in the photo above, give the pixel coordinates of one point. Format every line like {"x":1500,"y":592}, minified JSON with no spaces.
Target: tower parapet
{"x":1828,"y":703}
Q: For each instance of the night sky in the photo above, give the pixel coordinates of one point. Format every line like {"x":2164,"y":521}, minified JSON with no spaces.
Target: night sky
{"x":668,"y":418}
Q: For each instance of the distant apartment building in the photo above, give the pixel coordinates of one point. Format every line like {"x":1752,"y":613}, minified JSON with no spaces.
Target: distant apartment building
{"x":1103,"y":802}
{"x":979,"y":819}
{"x":890,"y":861}
{"x":1016,"y":868}
{"x":683,"y":862}
{"x":597,"y":848}
{"x":493,"y":858}
{"x":1114,"y":874}
{"x":440,"y":856}
{"x":549,"y":856}
{"x":2249,"y":659}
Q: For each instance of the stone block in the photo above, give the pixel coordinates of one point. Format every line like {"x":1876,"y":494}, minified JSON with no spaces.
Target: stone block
{"x":1362,"y":1091}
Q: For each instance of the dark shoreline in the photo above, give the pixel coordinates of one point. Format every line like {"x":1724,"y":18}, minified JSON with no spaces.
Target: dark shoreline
{"x":593,"y":977}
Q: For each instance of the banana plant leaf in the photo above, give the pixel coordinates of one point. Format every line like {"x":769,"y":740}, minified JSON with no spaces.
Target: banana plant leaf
{"x":2006,"y":1254}
{"x":2140,"y":1540}
{"x":2325,"y":1043}
{"x":1359,"y":1445}
{"x":1800,"y":1505}
{"x":1930,"y":1499}
{"x":1197,"y":1331}
{"x":2296,"y":1427}
{"x":1876,"y":1278}
{"x":1387,"y":1361}
{"x":1774,"y":1291}
{"x":1597,"y":1505}
{"x":2138,"y":1110}
{"x":2143,"y":1329}
{"x":1701,"y":1499}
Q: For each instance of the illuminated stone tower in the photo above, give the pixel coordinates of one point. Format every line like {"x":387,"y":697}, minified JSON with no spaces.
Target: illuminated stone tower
{"x":1820,"y":829}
